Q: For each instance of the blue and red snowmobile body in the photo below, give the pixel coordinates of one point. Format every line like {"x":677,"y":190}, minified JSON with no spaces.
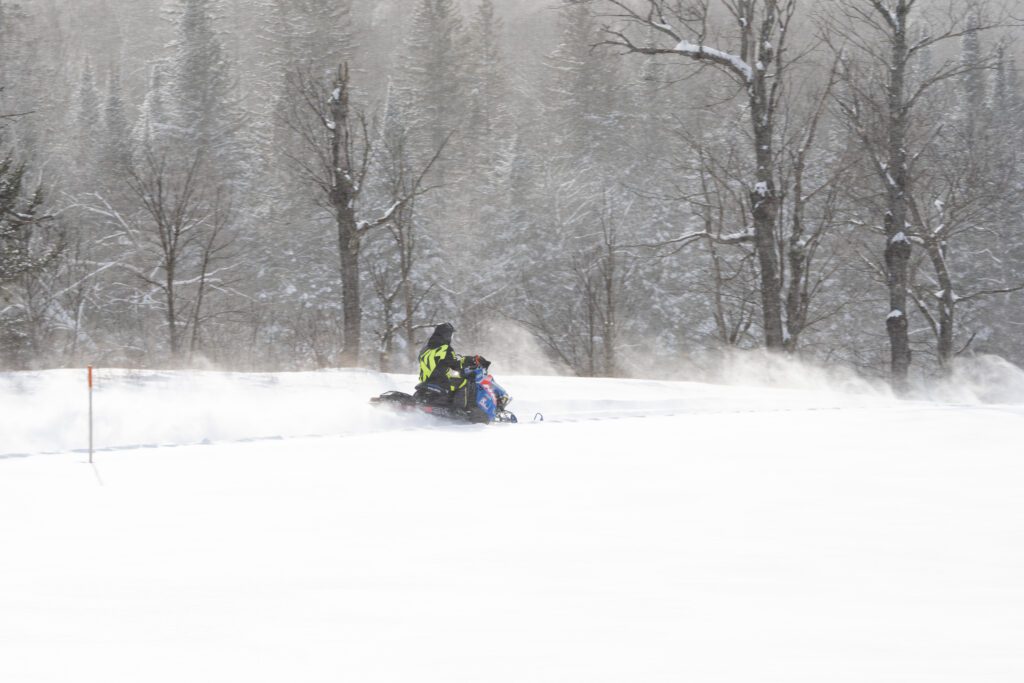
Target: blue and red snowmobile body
{"x":490,"y":396}
{"x":490,"y":402}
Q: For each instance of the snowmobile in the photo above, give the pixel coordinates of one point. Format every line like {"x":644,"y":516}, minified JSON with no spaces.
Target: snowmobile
{"x":490,"y":405}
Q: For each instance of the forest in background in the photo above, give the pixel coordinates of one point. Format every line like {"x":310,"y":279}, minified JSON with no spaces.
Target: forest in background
{"x":619,"y":185}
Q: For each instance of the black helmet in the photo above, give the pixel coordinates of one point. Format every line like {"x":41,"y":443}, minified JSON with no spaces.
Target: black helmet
{"x":442,"y":335}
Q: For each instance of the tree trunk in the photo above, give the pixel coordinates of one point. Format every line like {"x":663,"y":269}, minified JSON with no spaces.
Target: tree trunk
{"x":764,"y":199}
{"x":172,"y":313}
{"x":799,"y":250}
{"x":796,"y":297}
{"x":387,"y":342}
{"x":897,"y":250}
{"x":343,"y":195}
{"x":758,"y":62}
{"x":947,"y":305}
{"x":348,"y":243}
{"x":610,"y":368}
{"x":204,"y":269}
{"x":408,"y":295}
{"x":897,"y":264}
{"x":765,"y":206}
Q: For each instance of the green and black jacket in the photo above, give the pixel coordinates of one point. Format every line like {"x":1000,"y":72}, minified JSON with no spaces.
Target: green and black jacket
{"x":439,"y":364}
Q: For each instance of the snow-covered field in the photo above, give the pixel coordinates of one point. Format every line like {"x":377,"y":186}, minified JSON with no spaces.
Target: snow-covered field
{"x":275,"y":528}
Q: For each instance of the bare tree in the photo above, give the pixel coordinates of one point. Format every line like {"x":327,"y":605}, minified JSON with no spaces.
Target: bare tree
{"x":885,"y":83}
{"x":581,"y":328}
{"x":403,"y":297}
{"x":335,"y":156}
{"x":712,"y":172}
{"x":754,"y":55}
{"x":216,"y":247}
{"x":175,"y":241}
{"x":969,"y":191}
{"x":600,"y":271}
{"x":719,"y":206}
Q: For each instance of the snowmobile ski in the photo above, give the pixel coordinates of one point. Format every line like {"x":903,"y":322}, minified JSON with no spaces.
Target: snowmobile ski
{"x":401,"y":401}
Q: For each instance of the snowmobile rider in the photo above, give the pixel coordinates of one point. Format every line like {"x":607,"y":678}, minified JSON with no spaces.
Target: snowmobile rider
{"x":462,"y":383}
{"x":440,"y":368}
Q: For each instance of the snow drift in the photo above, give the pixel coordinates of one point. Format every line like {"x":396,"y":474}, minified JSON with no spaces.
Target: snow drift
{"x":647,"y":531}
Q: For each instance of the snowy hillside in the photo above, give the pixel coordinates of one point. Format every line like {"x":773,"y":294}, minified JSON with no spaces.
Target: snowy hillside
{"x":273,"y":528}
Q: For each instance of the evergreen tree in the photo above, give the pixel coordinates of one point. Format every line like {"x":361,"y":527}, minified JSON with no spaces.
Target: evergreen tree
{"x":88,"y":117}
{"x":152,"y":129}
{"x":117,"y":140}
{"x":26,"y":70}
{"x":433,"y":71}
{"x":19,"y":220}
{"x":974,"y":87}
{"x":145,"y":35}
{"x":87,"y":127}
{"x":585,"y":96}
{"x":97,"y":30}
{"x":203,"y":99}
{"x":569,"y":292}
{"x":487,"y":81}
{"x":26,"y":249}
{"x":489,"y":141}
{"x":317,"y":32}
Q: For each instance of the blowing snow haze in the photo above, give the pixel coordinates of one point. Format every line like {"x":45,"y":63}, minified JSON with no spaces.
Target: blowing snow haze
{"x":750,"y":275}
{"x":273,"y":185}
{"x":808,"y":531}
